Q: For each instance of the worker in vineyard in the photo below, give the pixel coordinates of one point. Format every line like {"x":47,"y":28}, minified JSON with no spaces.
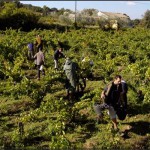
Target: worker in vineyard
{"x":38,"y":42}
{"x":57,"y":55}
{"x":86,"y":67}
{"x":112,"y":95}
{"x":30,"y":47}
{"x":85,"y":72}
{"x":71,"y":69}
{"x":39,"y":60}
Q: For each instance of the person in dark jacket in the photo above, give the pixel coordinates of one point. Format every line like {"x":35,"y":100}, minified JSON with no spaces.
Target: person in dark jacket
{"x":70,"y":69}
{"x":57,"y":55}
{"x":111,"y":96}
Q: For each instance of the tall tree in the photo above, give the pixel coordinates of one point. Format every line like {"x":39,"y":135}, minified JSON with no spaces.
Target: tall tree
{"x":1,"y":3}
{"x":18,"y":4}
{"x":146,"y":19}
{"x":89,"y":12}
{"x":46,"y":10}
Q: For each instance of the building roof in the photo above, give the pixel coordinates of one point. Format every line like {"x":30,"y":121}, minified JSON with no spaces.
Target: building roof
{"x":116,"y":15}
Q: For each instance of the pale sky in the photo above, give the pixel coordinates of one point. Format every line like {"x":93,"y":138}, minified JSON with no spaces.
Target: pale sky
{"x":134,"y":9}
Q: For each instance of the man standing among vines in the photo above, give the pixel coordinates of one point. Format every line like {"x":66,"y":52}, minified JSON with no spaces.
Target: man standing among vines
{"x":112,"y":96}
{"x":39,"y":59}
{"x":57,"y":55}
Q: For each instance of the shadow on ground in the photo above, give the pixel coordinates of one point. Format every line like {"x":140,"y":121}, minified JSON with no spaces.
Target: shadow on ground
{"x":140,"y":127}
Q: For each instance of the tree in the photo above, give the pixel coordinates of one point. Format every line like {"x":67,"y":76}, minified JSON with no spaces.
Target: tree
{"x":146,"y":19}
{"x":1,"y":3}
{"x":65,"y":19}
{"x":61,"y":11}
{"x":81,"y":20}
{"x":18,"y":4}
{"x":102,"y":22}
{"x":46,"y":10}
{"x":7,"y":10}
{"x":89,"y":12}
{"x":135,"y":22}
{"x":11,"y":16}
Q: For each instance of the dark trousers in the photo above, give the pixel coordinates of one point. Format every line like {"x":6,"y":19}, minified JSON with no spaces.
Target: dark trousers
{"x":30,"y":54}
{"x":40,"y":46}
{"x":38,"y":71}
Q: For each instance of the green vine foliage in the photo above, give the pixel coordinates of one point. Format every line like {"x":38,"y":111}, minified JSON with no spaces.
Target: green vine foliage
{"x":123,"y":52}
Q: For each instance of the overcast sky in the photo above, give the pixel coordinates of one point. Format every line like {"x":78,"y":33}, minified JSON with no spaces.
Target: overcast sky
{"x":134,"y":9}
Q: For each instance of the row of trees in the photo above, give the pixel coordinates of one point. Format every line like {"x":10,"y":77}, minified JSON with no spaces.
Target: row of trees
{"x":11,"y":16}
{"x":17,"y":15}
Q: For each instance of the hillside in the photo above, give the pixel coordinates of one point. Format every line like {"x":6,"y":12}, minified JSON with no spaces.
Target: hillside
{"x":16,"y":15}
{"x":36,"y":114}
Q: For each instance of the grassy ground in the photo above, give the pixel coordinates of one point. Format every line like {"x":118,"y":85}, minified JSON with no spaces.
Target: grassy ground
{"x":82,"y":131}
